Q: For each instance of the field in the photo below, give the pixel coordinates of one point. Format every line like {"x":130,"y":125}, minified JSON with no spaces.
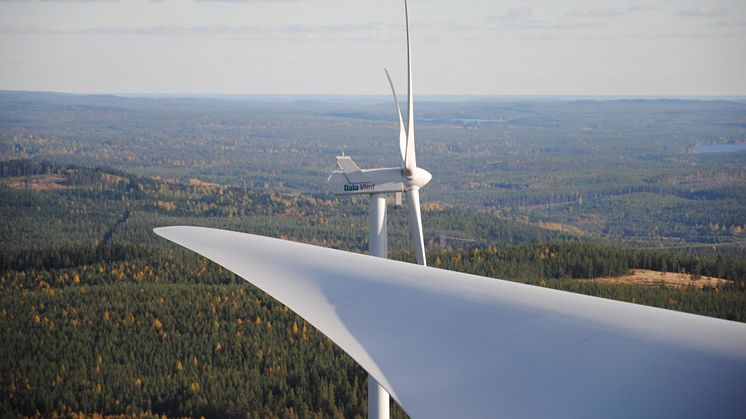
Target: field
{"x":646,"y":277}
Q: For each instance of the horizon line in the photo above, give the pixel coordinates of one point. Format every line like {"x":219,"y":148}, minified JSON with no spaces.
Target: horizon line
{"x":448,"y":96}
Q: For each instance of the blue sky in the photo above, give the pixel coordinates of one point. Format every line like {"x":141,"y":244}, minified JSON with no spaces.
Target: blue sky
{"x":474,"y":47}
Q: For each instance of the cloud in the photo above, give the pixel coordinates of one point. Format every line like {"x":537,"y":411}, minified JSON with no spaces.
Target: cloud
{"x":247,"y":1}
{"x":545,"y":24}
{"x":679,"y":35}
{"x":514,"y":14}
{"x":363,"y":32}
{"x":726,"y":23}
{"x":154,"y":1}
{"x":25,"y":30}
{"x":560,"y":35}
{"x":80,"y":1}
{"x":594,"y":13}
{"x":704,"y":11}
{"x":522,"y":18}
{"x":643,"y":8}
{"x":450,"y":26}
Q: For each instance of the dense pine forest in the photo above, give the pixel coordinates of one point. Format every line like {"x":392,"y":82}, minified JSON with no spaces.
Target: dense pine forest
{"x":100,"y":317}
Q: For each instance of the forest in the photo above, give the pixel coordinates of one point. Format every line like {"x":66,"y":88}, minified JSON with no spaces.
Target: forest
{"x":109,"y":319}
{"x":624,"y":169}
{"x":100,"y":317}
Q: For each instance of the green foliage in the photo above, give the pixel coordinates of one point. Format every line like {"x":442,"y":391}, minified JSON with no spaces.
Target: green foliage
{"x":560,"y":265}
{"x":175,"y":349}
{"x":726,"y":303}
{"x":171,"y":333}
{"x":98,"y":315}
{"x":620,"y":169}
{"x":103,"y":207}
{"x":568,"y":260}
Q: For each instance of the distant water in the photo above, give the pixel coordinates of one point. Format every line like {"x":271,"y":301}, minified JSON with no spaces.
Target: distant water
{"x":719,"y":148}
{"x":467,"y":121}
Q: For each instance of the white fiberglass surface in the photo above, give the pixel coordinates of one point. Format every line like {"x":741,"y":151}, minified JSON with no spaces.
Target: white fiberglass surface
{"x":447,"y":345}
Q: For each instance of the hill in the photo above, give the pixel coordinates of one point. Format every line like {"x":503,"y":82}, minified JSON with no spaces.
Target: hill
{"x":625,"y":170}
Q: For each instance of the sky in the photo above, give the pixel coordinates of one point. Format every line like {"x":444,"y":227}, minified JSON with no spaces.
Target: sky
{"x":338,"y":47}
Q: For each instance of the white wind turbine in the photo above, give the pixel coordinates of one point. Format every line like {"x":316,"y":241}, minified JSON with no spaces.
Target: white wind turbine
{"x":407,"y":179}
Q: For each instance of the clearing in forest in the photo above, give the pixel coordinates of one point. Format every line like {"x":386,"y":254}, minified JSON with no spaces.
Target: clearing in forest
{"x":650,"y":278}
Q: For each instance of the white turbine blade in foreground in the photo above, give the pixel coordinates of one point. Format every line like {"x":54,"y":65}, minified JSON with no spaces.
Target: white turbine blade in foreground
{"x":415,"y":225}
{"x":402,"y":131}
{"x":451,"y":345}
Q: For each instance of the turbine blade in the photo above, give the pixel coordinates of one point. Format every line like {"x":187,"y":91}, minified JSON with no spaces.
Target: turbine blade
{"x":410,"y":161}
{"x":415,"y":225}
{"x":402,"y":131}
{"x":450,"y":345}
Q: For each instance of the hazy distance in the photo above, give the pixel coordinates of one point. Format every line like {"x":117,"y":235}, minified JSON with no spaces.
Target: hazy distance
{"x":472,"y":47}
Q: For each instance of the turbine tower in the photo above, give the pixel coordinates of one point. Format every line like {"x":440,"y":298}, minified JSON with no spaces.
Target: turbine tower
{"x":407,"y":179}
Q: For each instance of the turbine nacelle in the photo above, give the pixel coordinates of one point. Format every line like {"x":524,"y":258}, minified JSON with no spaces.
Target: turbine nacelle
{"x":352,"y":180}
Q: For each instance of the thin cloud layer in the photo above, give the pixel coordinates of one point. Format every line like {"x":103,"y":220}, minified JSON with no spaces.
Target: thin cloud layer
{"x":594,"y":13}
{"x":515,"y":14}
{"x":258,"y":32}
{"x":247,"y":1}
{"x":79,"y":1}
{"x":311,"y":42}
{"x":523,"y":18}
{"x":643,"y":8}
{"x":704,"y":11}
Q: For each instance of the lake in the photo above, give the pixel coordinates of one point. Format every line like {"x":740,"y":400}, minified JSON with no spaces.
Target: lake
{"x":719,"y":148}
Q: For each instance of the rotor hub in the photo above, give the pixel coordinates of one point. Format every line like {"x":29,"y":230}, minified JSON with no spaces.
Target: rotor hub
{"x":419,"y":178}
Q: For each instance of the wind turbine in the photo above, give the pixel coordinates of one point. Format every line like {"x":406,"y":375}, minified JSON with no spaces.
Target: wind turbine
{"x":407,"y":179}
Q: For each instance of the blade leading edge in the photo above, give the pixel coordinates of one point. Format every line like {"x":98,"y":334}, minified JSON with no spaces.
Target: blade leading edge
{"x":447,"y":345}
{"x":415,"y":225}
{"x":402,"y":131}
{"x":410,"y":161}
